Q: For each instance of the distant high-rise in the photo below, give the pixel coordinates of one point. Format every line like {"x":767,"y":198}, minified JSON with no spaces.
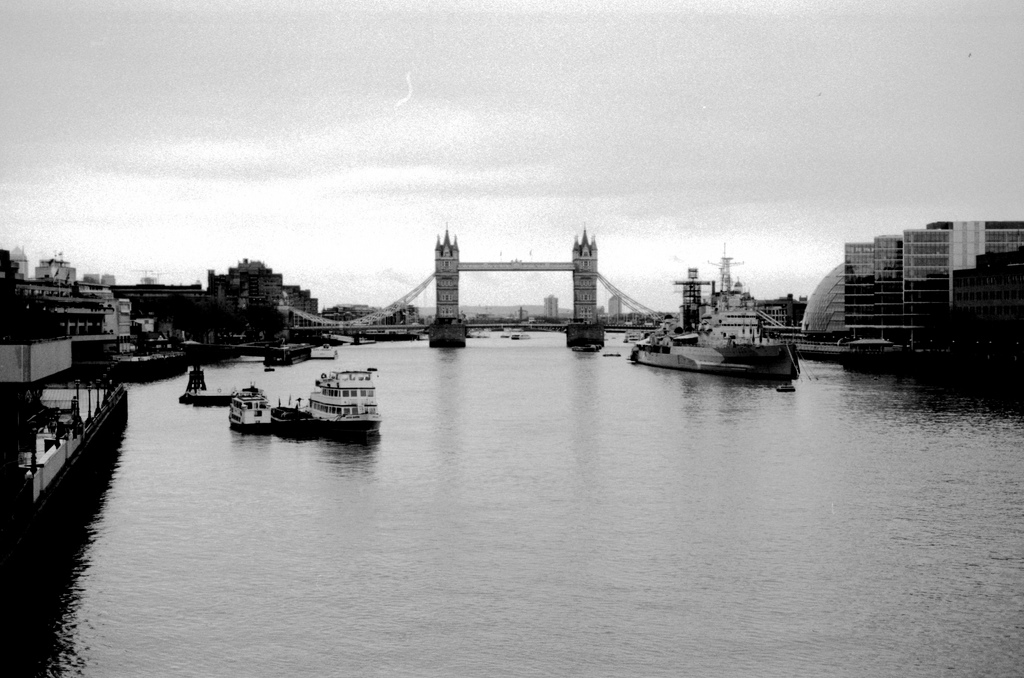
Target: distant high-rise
{"x":97,"y":279}
{"x":551,"y":306}
{"x":615,"y":306}
{"x":20,"y":263}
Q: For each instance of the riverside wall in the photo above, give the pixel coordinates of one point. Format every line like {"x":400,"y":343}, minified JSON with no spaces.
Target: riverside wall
{"x":69,"y":469}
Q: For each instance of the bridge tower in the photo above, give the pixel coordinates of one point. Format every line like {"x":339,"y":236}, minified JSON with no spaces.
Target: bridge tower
{"x":584,"y":279}
{"x":585,"y":327}
{"x":448,"y":329}
{"x":446,"y":277}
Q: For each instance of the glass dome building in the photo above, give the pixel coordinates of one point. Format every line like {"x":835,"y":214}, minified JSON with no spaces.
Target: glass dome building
{"x":826,"y":309}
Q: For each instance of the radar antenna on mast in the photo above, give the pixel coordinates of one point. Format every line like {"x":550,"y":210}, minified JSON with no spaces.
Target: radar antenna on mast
{"x":724,"y":273}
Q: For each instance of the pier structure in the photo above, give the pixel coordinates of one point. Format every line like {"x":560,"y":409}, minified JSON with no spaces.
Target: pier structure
{"x":449,"y":327}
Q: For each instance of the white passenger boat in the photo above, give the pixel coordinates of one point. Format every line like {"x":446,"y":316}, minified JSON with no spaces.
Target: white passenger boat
{"x":633,"y":336}
{"x":325,"y":352}
{"x":249,"y":410}
{"x":344,"y":404}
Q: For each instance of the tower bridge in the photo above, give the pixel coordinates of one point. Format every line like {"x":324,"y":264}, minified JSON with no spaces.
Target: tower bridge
{"x":449,"y":327}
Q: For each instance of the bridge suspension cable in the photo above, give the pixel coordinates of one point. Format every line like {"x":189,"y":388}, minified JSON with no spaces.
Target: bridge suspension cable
{"x":313,"y":320}
{"x":629,"y":302}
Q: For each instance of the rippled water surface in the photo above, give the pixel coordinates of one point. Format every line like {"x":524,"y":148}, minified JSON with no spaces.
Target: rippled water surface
{"x":529,"y":511}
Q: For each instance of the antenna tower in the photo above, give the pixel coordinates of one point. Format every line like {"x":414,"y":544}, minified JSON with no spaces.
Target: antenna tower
{"x":724,"y":272}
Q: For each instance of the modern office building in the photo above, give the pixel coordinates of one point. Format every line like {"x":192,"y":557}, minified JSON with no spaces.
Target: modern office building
{"x":992,"y":292}
{"x":988,"y":310}
{"x":860,"y":284}
{"x":932,"y":255}
{"x":888,"y":281}
{"x":900,"y":287}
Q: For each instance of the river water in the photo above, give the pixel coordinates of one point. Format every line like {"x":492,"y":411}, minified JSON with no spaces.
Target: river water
{"x":531,"y":511}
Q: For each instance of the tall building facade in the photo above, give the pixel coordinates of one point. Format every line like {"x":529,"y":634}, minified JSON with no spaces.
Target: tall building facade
{"x":930,"y":257}
{"x":615,"y":306}
{"x":551,"y":306}
{"x":888,"y":281}
{"x":860,"y":284}
{"x":247,"y":285}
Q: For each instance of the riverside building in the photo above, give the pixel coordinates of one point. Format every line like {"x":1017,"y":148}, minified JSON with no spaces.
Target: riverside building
{"x":900,"y":287}
{"x":253,"y":284}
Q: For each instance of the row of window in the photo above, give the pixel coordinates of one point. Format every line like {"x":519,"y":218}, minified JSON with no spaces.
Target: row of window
{"x":348,"y":392}
{"x":342,"y":409}
{"x":976,"y":281}
{"x":914,"y":237}
{"x":1005,"y":311}
{"x":924,"y":272}
{"x":990,"y":295}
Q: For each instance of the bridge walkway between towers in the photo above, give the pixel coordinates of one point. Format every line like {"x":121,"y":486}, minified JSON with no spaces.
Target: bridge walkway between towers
{"x":465,"y":266}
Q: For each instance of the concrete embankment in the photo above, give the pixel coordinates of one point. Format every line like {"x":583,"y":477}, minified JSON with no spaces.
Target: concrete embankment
{"x":67,"y":462}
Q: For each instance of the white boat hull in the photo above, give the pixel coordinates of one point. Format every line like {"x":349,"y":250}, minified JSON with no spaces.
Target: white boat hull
{"x":759,"y":362}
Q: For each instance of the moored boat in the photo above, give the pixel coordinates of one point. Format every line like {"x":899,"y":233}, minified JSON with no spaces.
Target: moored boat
{"x":344,"y":404}
{"x":250,"y":410}
{"x":722,"y":334}
{"x":855,"y":353}
{"x":633,"y":336}
{"x":325,"y":352}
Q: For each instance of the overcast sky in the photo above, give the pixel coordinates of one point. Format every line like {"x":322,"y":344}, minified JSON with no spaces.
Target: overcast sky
{"x":335,"y":141}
